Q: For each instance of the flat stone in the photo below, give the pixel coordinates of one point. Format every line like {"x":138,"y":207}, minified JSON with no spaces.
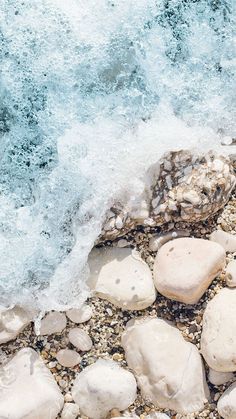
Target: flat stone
{"x":182,"y":272}
{"x":226,"y":405}
{"x":218,"y":340}
{"x":68,"y":358}
{"x":28,"y":389}
{"x":53,"y":322}
{"x":12,"y":322}
{"x":80,"y":315}
{"x":80,"y":339}
{"x":226,"y":240}
{"x":230,"y":274}
{"x":218,"y":378}
{"x":120,"y":276}
{"x":70,"y":411}
{"x":169,"y":370}
{"x":103,"y":386}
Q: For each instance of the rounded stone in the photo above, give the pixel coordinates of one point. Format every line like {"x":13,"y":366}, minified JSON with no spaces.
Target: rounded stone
{"x":226,"y":240}
{"x":68,"y":358}
{"x":103,"y":386}
{"x":80,"y":315}
{"x":230,"y":274}
{"x":53,"y":322}
{"x":80,"y":339}
{"x":218,"y":378}
{"x":226,"y":405}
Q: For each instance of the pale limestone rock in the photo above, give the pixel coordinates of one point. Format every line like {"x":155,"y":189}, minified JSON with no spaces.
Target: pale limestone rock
{"x":120,"y":276}
{"x":168,"y":369}
{"x":68,"y":358}
{"x":53,"y":322}
{"x":80,"y":315}
{"x":217,"y":378}
{"x":158,"y":240}
{"x":103,"y":386}
{"x":226,"y":240}
{"x":218,"y":340}
{"x":70,"y":411}
{"x":230,"y":274}
{"x":28,"y":389}
{"x":226,"y":405}
{"x":12,"y":322}
{"x":157,"y":416}
{"x":182,"y":272}
{"x":80,"y":339}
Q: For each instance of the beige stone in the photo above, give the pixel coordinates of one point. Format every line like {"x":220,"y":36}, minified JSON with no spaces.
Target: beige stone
{"x":226,"y":405}
{"x":169,"y":370}
{"x":184,"y":268}
{"x":70,"y":411}
{"x":80,"y":315}
{"x":12,"y":322}
{"x":68,"y":358}
{"x":218,"y":378}
{"x":80,"y":339}
{"x":53,"y":322}
{"x":230,"y":274}
{"x":226,"y":240}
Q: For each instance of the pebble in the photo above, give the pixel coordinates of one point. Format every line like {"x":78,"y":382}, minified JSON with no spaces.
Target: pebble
{"x":226,"y":240}
{"x":81,"y":315}
{"x":12,"y":322}
{"x":103,"y":386}
{"x":68,"y":358}
{"x":53,"y":322}
{"x":70,"y":411}
{"x":230,"y":274}
{"x":80,"y":339}
{"x":182,"y":272}
{"x":226,"y":405}
{"x":218,"y":378}
{"x":159,"y":240}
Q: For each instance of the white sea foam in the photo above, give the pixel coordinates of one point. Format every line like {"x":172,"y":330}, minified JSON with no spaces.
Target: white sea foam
{"x":93,"y":92}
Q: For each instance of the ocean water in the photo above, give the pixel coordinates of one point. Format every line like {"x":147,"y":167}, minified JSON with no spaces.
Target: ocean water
{"x":91,"y":93}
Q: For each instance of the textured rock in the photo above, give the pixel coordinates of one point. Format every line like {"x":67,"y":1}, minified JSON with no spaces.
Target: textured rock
{"x":179,"y":187}
{"x":182,"y":271}
{"x":226,"y":405}
{"x":70,"y":411}
{"x":168,"y":369}
{"x":80,"y":339}
{"x":68,"y":358}
{"x":102,"y":387}
{"x":230,"y":274}
{"x":12,"y":322}
{"x":28,"y":389}
{"x":53,"y":322}
{"x":217,"y":378}
{"x":80,"y":315}
{"x":121,"y":277}
{"x":226,"y":240}
{"x":218,"y":340}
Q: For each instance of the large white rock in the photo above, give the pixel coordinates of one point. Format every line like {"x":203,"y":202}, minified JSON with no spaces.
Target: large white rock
{"x":226,"y":405}
{"x":218,"y":378}
{"x":226,"y":240}
{"x":218,"y":340}
{"x":168,"y":369}
{"x":102,"y":387}
{"x":230,"y":274}
{"x":28,"y":389}
{"x":184,"y":268}
{"x":120,"y":276}
{"x":53,"y":322}
{"x":12,"y":322}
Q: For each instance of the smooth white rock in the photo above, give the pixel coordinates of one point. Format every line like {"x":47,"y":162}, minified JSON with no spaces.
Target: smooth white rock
{"x":80,"y":315}
{"x":230,"y":274}
{"x":184,"y":268}
{"x":226,"y":240}
{"x":80,"y":339}
{"x":226,"y":405}
{"x":12,"y":322}
{"x":68,"y":358}
{"x":218,"y":340}
{"x":53,"y":322}
{"x":168,"y":369}
{"x":70,"y":411}
{"x":28,"y":389}
{"x":120,"y":276}
{"x":218,"y":378}
{"x":103,"y":386}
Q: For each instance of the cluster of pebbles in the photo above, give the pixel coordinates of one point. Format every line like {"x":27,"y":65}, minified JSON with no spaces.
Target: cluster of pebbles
{"x":106,"y":363}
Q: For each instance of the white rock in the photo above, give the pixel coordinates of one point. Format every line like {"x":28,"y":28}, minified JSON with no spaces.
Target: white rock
{"x":28,"y":389}
{"x":53,"y":322}
{"x":80,"y":315}
{"x":70,"y":411}
{"x":168,"y":369}
{"x":230,"y":274}
{"x":226,"y":240}
{"x":158,"y":240}
{"x":217,"y":378}
{"x":218,"y":340}
{"x":120,"y":276}
{"x":80,"y":339}
{"x":12,"y":322}
{"x":226,"y":405}
{"x":102,"y":387}
{"x":157,"y":416}
{"x":68,"y":358}
{"x":182,"y":272}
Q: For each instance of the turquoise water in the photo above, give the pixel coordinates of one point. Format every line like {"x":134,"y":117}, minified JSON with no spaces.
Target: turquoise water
{"x":92,"y":92}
